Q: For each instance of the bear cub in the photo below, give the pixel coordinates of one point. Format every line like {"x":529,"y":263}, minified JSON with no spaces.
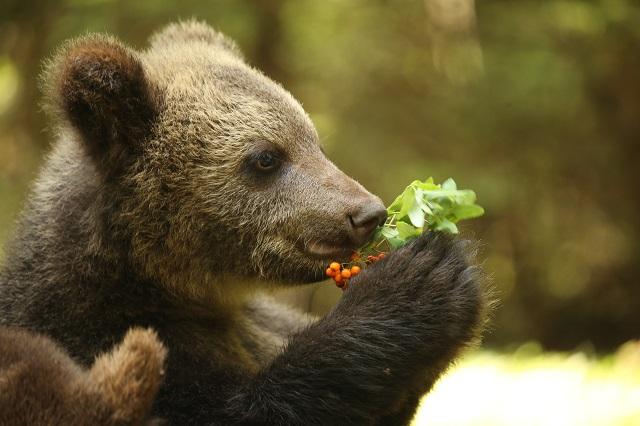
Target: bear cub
{"x":182,"y":185}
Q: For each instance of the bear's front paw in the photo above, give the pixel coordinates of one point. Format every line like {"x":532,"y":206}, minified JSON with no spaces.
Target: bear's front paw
{"x":430,"y":283}
{"x":431,"y":257}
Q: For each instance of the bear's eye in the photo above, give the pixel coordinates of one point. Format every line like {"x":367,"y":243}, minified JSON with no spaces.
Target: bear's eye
{"x":267,"y":161}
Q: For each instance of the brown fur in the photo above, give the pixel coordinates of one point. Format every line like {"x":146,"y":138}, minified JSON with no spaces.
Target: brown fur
{"x":41,"y":385}
{"x":99,"y":85}
{"x":192,"y":30}
{"x":153,"y":210}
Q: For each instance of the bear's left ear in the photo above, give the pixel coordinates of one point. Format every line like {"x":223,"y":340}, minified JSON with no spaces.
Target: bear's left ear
{"x":100,"y":86}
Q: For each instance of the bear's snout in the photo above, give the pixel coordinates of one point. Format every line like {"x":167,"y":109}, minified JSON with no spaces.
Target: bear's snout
{"x":352,"y":217}
{"x":365,"y":219}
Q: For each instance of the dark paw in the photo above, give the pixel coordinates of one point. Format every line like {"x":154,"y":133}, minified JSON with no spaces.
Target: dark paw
{"x":431,"y":257}
{"x":432,"y":280}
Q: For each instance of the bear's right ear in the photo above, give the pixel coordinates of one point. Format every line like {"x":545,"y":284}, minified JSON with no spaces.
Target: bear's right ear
{"x":100,"y":87}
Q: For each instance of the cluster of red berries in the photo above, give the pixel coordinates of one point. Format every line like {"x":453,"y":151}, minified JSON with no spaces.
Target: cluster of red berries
{"x":341,"y":274}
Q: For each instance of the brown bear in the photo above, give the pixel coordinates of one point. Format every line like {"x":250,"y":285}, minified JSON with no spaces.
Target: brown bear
{"x":182,"y":184}
{"x":41,"y":385}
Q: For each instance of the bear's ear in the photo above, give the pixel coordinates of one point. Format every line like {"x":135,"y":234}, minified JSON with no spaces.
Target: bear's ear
{"x":128,"y":377}
{"x":99,"y":86}
{"x":194,"y":31}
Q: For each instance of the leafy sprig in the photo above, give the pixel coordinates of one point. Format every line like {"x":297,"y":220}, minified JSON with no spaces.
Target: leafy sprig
{"x":424,"y":206}
{"x":420,"y":207}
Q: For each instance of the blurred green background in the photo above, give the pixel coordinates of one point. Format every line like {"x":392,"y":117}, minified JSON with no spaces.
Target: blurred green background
{"x":533,"y":104}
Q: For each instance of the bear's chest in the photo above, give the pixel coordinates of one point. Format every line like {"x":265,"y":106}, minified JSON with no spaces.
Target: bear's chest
{"x":244,"y":346}
{"x":258,"y":343}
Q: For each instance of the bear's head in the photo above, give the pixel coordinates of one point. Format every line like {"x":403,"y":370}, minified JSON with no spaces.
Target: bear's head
{"x":205,"y":167}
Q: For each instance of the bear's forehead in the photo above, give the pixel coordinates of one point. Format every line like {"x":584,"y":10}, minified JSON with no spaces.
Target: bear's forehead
{"x":217,"y":92}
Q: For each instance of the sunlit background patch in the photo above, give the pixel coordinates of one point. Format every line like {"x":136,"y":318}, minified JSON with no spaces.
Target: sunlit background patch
{"x":531,"y":388}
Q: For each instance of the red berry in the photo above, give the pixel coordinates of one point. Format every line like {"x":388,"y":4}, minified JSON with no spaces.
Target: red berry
{"x":346,"y":273}
{"x":330,"y":272}
{"x":335,"y":266}
{"x":355,"y":270}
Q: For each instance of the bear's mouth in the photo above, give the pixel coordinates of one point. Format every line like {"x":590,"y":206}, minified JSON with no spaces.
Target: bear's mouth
{"x":327,"y":251}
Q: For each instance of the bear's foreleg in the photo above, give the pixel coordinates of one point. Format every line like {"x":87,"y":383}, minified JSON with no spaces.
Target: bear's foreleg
{"x":401,"y":322}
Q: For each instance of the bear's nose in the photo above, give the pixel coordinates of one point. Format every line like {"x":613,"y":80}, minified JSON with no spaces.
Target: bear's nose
{"x":365,"y":220}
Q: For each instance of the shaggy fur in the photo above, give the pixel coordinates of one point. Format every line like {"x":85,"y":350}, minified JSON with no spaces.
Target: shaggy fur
{"x":41,"y":385}
{"x":154,"y":210}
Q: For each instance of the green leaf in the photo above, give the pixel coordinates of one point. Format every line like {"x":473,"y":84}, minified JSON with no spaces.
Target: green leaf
{"x":422,"y":201}
{"x":465,"y":196}
{"x":396,"y":242}
{"x":468,"y":212}
{"x":378,"y":235}
{"x":406,"y":231}
{"x":446,"y":226}
{"x":449,"y":185}
{"x":408,"y":201}
{"x":416,"y":215}
{"x":396,"y":205}
{"x":427,"y":185}
{"x":461,"y":196}
{"x":389,"y":233}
